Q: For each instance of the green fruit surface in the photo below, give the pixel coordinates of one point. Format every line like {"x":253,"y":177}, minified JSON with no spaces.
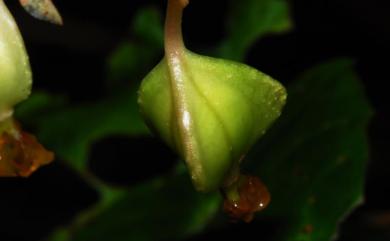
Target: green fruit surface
{"x":15,"y":73}
{"x":230,"y":105}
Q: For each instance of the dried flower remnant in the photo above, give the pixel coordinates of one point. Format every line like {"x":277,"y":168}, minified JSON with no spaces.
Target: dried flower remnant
{"x":246,"y":197}
{"x":21,"y":154}
{"x":42,"y":9}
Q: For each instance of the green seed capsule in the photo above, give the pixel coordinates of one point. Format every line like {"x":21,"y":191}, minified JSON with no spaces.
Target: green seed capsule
{"x":228,"y":107}
{"x":15,"y":73}
{"x":211,"y":111}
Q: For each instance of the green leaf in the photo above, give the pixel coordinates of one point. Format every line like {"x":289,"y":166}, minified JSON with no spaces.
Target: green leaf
{"x":160,"y":209}
{"x":38,"y":104}
{"x":131,"y":60}
{"x":70,"y":131}
{"x":315,"y":157}
{"x":211,"y":113}
{"x":249,"y":20}
{"x":128,"y":63}
{"x":148,"y":26}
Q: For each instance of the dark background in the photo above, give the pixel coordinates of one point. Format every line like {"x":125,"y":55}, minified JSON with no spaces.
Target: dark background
{"x":72,"y":60}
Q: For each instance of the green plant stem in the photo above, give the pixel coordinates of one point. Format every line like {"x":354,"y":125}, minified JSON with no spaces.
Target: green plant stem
{"x":173,"y":35}
{"x":5,"y":124}
{"x":175,"y":57}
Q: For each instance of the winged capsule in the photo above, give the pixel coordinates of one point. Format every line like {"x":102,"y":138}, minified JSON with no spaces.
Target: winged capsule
{"x":20,"y":152}
{"x":210,"y":111}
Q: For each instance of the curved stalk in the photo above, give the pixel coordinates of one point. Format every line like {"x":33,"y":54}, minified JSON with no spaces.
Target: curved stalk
{"x":174,"y":53}
{"x":173,"y":34}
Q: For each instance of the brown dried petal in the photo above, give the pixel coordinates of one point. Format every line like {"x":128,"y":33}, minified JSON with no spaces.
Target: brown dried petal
{"x":21,"y":156}
{"x":42,"y":9}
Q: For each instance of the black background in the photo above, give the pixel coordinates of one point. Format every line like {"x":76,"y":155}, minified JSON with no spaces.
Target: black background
{"x":71,"y":60}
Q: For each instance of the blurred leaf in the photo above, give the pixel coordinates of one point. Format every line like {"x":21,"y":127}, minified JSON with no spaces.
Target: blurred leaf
{"x":313,"y":161}
{"x":148,"y":26}
{"x":160,"y":209}
{"x":315,"y":156}
{"x":132,"y":59}
{"x":70,"y":131}
{"x":249,"y":20}
{"x":60,"y":235}
{"x":129,"y":63}
{"x":38,"y":104}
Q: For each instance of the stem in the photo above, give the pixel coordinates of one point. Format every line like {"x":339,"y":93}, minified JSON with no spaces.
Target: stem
{"x":231,"y":192}
{"x":173,"y":34}
{"x":7,"y":125}
{"x":5,"y":114}
{"x":175,"y":56}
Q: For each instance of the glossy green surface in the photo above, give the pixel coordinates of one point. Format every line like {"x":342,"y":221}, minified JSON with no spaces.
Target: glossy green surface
{"x":15,"y":74}
{"x":228,"y":106}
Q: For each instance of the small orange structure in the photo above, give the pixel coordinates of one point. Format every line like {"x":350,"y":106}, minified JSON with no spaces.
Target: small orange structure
{"x":253,"y":197}
{"x":21,"y":154}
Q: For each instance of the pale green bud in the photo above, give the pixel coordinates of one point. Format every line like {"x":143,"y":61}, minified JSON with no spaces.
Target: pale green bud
{"x":15,"y":73}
